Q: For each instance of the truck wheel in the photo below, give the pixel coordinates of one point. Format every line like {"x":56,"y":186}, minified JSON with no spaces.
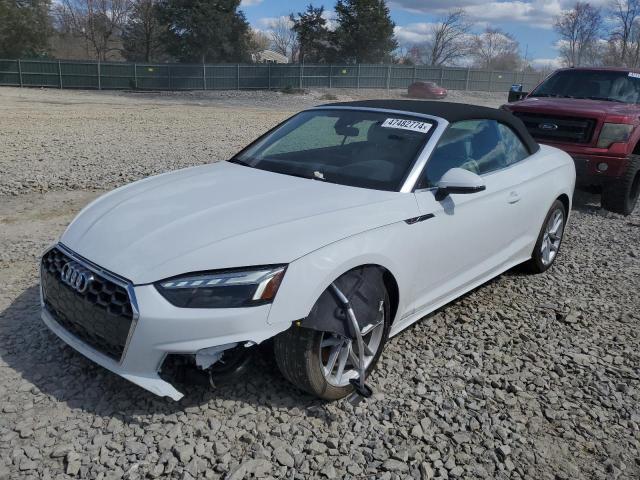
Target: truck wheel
{"x":320,"y":363}
{"x":548,"y":245}
{"x":621,"y":196}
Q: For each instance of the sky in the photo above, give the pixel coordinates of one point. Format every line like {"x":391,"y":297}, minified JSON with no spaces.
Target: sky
{"x":530,"y":21}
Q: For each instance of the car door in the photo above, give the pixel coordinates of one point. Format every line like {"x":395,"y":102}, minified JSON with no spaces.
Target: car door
{"x":466,"y":237}
{"x":527,"y":183}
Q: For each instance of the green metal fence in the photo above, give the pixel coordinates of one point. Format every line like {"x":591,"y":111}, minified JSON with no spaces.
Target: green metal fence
{"x":112,"y":75}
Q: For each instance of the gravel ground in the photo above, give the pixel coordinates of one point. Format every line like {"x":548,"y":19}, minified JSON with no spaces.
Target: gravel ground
{"x":526,"y":377}
{"x":62,"y":139}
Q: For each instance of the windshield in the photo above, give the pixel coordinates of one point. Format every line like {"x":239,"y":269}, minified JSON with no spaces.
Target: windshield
{"x":592,"y":84}
{"x":349,"y":147}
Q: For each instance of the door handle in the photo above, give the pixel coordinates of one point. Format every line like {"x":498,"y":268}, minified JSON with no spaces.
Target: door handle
{"x":514,"y":197}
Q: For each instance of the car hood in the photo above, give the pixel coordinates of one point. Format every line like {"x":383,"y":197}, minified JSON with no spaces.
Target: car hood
{"x":574,"y":106}
{"x":223,"y":215}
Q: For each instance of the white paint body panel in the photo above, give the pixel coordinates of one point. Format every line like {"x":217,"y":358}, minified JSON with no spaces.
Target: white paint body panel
{"x":225,"y":215}
{"x":222,"y":216}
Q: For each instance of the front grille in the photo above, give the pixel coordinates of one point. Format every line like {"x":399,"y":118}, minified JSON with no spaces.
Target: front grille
{"x":100,"y":316}
{"x":567,"y":129}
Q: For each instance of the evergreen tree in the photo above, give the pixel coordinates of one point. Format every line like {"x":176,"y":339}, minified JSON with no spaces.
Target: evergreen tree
{"x":25,"y":27}
{"x":211,"y":31}
{"x":365,"y":31}
{"x":313,"y":35}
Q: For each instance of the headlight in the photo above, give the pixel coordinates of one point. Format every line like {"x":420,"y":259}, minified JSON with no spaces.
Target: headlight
{"x":614,"y":132}
{"x":223,"y":289}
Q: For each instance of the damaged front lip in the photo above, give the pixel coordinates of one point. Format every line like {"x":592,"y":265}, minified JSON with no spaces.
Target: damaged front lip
{"x":152,"y":383}
{"x":163,"y":330}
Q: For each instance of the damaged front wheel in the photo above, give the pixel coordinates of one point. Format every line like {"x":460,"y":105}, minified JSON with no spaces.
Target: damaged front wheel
{"x":321,"y":355}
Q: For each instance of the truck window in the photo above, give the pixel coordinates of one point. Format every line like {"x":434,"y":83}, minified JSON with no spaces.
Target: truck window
{"x":613,"y":86}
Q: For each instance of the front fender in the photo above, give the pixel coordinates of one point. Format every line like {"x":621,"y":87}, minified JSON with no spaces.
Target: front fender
{"x":310,"y":275}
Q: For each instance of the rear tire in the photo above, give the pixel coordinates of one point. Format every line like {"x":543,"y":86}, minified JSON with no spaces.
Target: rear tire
{"x":621,"y":196}
{"x":549,"y":240}
{"x":298,"y":355}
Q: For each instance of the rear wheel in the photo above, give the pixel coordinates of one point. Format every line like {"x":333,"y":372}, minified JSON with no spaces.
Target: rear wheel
{"x":549,"y":240}
{"x":621,"y":196}
{"x":321,"y":362}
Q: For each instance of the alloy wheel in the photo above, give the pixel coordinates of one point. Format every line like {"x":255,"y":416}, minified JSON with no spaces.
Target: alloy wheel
{"x":552,"y":237}
{"x":339,"y":355}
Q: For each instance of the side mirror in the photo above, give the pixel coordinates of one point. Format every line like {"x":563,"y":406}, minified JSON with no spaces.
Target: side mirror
{"x":461,"y":181}
{"x":516,"y":93}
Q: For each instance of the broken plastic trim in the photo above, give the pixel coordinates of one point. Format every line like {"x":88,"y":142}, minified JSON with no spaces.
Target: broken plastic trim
{"x":207,"y":366}
{"x":206,"y":357}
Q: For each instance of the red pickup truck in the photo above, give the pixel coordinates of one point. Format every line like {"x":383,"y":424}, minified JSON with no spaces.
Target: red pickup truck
{"x":594,"y":115}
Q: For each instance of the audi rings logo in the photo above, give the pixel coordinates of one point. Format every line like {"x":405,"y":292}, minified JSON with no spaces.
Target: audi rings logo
{"x":76,"y":276}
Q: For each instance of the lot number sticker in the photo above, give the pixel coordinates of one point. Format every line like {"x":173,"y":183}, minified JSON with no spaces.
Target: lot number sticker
{"x":413,"y":125}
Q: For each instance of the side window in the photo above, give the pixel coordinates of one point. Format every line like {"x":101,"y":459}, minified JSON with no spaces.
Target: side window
{"x":515,"y":150}
{"x":480,"y":146}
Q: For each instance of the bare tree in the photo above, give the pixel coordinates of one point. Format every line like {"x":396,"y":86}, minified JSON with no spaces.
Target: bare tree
{"x":625,"y":16}
{"x":141,"y":36}
{"x":258,"y":42}
{"x":579,"y":29}
{"x":496,"y":50}
{"x":100,"y":22}
{"x":449,"y":39}
{"x":631,"y":57}
{"x":283,"y":38}
{"x":403,"y":56}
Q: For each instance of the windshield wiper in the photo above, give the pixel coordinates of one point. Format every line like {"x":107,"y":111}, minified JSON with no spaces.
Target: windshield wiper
{"x":606,"y":99}
{"x":308,"y":176}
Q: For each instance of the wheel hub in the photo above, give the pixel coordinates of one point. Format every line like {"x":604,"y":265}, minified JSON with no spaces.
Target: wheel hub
{"x":339,"y":356}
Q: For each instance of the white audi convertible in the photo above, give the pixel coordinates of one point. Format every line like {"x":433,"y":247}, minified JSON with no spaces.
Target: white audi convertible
{"x":331,"y":233}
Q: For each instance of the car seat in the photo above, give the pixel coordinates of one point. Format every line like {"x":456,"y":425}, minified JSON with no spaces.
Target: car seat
{"x":444,"y":158}
{"x":385,"y":154}
{"x":485,"y":151}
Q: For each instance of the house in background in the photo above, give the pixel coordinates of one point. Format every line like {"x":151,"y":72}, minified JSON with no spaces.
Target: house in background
{"x":269,"y":56}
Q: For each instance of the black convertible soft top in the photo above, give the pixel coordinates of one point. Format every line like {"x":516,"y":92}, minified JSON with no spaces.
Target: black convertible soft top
{"x":452,"y":112}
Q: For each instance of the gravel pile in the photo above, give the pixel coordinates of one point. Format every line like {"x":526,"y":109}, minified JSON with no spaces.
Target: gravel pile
{"x":528,"y":377}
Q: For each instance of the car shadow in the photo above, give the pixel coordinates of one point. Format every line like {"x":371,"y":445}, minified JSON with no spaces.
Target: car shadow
{"x":586,"y":202}
{"x":38,"y":356}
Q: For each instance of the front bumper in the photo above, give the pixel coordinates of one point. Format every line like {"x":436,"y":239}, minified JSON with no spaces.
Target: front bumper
{"x":162,"y":329}
{"x":588,"y":158}
{"x":588,"y":173}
